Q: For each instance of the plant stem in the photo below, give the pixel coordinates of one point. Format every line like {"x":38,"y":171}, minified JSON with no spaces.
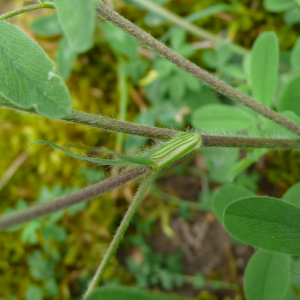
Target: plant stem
{"x":220,"y":86}
{"x":175,"y":58}
{"x":113,"y":125}
{"x":249,"y":142}
{"x":26,"y":9}
{"x":105,"y":123}
{"x":120,"y":231}
{"x":71,"y":199}
{"x":123,"y":99}
{"x":197,"y":31}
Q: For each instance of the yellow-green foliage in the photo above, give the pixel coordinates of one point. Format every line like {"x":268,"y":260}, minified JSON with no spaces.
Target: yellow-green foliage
{"x":93,"y":87}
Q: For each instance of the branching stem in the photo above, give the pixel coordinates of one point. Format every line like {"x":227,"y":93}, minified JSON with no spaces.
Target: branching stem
{"x":120,"y":231}
{"x":71,"y":199}
{"x":143,"y":37}
{"x":208,"y":140}
{"x":26,"y":9}
{"x":220,"y":86}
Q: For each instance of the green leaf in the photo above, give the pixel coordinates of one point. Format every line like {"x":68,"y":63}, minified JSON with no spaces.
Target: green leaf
{"x":29,"y":233}
{"x":51,"y":287}
{"x":92,"y":175}
{"x":40,"y":268}
{"x":220,"y":118}
{"x":273,"y":129}
{"x":177,"y":40}
{"x":246,"y":162}
{"x":295,"y":56}
{"x":264,"y":67}
{"x":120,"y":41}
{"x":55,"y":231}
{"x":223,"y":55}
{"x":200,"y":98}
{"x":46,"y":26}
{"x":292,"y":16}
{"x":266,"y":223}
{"x":239,"y":167}
{"x":289,"y":99}
{"x":234,"y":71}
{"x":219,"y":161}
{"x":294,"y":284}
{"x":199,"y":282}
{"x":65,"y":58}
{"x":227,"y":194}
{"x":210,"y":58}
{"x":89,"y":159}
{"x":34,"y":293}
{"x":27,"y":76}
{"x":278,"y":5}
{"x":77,"y":19}
{"x":293,"y":195}
{"x":126,"y":293}
{"x":247,"y":66}
{"x":266,"y":276}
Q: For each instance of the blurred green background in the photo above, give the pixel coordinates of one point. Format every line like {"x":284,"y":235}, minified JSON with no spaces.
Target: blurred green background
{"x":175,"y":242}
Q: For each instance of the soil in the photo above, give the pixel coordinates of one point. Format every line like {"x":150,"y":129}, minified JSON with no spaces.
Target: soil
{"x":206,"y":246}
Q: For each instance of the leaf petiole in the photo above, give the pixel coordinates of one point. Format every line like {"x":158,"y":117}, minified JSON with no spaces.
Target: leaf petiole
{"x":150,"y":176}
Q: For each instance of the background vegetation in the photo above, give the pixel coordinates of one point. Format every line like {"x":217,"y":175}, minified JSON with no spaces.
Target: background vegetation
{"x":175,"y":243}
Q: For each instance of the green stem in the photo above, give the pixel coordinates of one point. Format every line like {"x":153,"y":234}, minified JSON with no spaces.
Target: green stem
{"x":26,"y":9}
{"x":195,"y":16}
{"x":71,"y":199}
{"x":197,"y":31}
{"x":208,"y":140}
{"x":178,"y":60}
{"x":120,"y":231}
{"x":220,"y":86}
{"x":123,"y":92}
{"x":126,"y":127}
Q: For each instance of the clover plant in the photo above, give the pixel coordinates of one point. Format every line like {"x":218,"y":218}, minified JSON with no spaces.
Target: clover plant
{"x":261,"y":112}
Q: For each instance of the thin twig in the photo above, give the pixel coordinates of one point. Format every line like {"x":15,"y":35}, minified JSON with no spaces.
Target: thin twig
{"x":24,"y":9}
{"x":174,"y":57}
{"x":12,"y":169}
{"x":105,"y":123}
{"x":220,"y":86}
{"x":208,"y":140}
{"x":120,"y":231}
{"x":123,"y":98}
{"x":71,"y":199}
{"x":249,"y":142}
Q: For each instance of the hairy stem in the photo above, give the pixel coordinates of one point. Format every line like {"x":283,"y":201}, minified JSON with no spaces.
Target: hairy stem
{"x":105,"y":123}
{"x":71,"y":199}
{"x":220,"y":86}
{"x":26,"y":9}
{"x":248,"y":142}
{"x":120,"y":231}
{"x":143,"y":37}
{"x":113,"y":125}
